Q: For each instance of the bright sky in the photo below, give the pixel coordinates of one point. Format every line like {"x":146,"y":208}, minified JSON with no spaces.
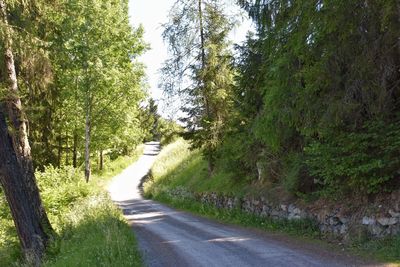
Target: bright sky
{"x":151,"y":14}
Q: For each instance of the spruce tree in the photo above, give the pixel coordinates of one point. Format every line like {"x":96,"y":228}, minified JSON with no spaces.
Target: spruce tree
{"x":199,"y":70}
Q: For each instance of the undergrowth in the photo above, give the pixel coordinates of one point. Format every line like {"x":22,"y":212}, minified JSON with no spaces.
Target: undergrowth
{"x":90,"y":230}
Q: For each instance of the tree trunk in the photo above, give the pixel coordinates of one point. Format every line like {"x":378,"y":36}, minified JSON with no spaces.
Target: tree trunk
{"x":101,"y":159}
{"x":29,"y":226}
{"x":59,"y":151}
{"x":75,"y":150}
{"x":204,"y":89}
{"x":203,"y":53}
{"x":66,"y":149}
{"x":398,"y":20}
{"x":87,"y":145}
{"x":23,"y":167}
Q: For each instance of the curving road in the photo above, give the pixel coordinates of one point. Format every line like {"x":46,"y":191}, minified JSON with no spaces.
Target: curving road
{"x":172,"y":238}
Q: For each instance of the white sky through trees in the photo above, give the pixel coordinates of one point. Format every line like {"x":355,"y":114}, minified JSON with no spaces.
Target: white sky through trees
{"x":152,"y":14}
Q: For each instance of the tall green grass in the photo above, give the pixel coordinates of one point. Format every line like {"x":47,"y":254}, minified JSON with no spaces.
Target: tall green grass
{"x":90,"y":229}
{"x":177,"y":166}
{"x":94,"y":233}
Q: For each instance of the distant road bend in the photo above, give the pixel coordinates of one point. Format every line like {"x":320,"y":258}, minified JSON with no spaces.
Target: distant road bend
{"x":172,"y":238}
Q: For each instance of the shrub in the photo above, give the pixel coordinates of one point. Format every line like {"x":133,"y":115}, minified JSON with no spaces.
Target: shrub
{"x":60,"y":189}
{"x":91,"y":230}
{"x":238,"y":154}
{"x":365,"y":160}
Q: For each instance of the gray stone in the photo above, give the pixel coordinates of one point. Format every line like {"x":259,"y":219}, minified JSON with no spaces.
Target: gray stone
{"x":376,"y":230}
{"x":265,"y":211}
{"x":368,"y":220}
{"x":323,"y":228}
{"x":294,"y":217}
{"x":394,"y":214}
{"x":297,"y":211}
{"x":334,"y":221}
{"x":343,"y":229}
{"x":277,"y":214}
{"x":328,"y":220}
{"x":387,"y":221}
{"x":336,"y":230}
{"x":291,"y":208}
{"x":394,"y":229}
{"x":264,"y":214}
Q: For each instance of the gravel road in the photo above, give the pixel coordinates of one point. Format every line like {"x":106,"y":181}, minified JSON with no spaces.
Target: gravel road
{"x":172,"y":238}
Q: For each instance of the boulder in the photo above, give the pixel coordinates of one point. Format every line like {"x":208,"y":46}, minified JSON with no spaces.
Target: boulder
{"x":387,"y":221}
{"x":293,"y":216}
{"x":394,"y":214}
{"x":368,"y":220}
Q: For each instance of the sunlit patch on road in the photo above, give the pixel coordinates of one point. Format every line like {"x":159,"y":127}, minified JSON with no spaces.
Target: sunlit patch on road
{"x":229,"y":239}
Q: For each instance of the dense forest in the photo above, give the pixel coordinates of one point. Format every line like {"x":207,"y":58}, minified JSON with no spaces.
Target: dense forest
{"x":311,"y":102}
{"x":78,"y":78}
{"x":72,"y":92}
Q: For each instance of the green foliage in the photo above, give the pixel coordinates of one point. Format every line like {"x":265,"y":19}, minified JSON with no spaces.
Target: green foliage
{"x":170,"y":158}
{"x":9,"y":246}
{"x":114,"y":165}
{"x":292,"y":176}
{"x":60,"y":190}
{"x":199,"y":70}
{"x":363,"y":161}
{"x":238,"y":154}
{"x":156,"y":127}
{"x":76,"y":57}
{"x":149,"y":121}
{"x":179,"y":166}
{"x":311,"y":83}
{"x":94,"y":234}
{"x":91,"y":230}
{"x":386,"y":249}
{"x":169,"y":131}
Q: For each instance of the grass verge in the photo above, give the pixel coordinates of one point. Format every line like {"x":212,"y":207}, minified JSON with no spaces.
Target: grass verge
{"x":179,"y":169}
{"x":91,"y":231}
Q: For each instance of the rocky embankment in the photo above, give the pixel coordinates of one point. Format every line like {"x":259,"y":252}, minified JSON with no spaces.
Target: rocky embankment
{"x":377,"y":219}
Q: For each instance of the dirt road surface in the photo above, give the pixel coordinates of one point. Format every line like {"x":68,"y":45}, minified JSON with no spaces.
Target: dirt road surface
{"x":173,"y":238}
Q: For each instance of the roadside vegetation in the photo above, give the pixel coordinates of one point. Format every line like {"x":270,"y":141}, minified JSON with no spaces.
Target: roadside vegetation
{"x":73,"y":96}
{"x":177,"y":168}
{"x":307,"y":107}
{"x":90,"y":229}
{"x":305,"y":102}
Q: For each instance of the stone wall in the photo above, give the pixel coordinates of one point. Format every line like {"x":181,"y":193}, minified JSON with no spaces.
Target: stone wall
{"x":375,"y":222}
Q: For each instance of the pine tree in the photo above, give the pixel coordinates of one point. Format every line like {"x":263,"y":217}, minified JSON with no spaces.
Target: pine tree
{"x":16,"y":169}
